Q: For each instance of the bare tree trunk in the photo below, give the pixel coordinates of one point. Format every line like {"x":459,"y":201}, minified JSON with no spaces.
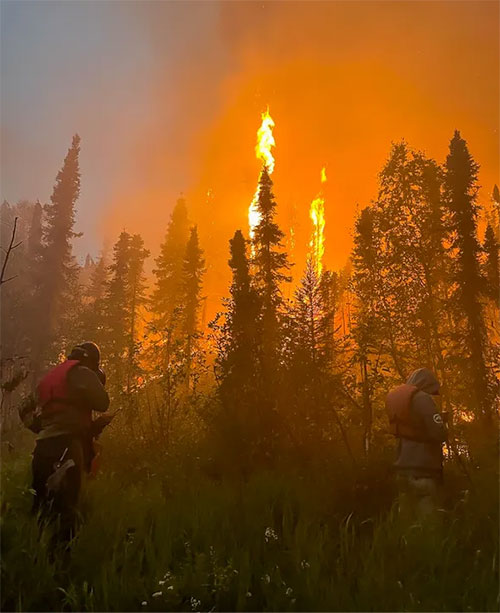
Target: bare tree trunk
{"x":8,"y":251}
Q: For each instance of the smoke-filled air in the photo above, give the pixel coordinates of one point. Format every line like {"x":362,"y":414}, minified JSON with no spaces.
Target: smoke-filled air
{"x":250,"y":306}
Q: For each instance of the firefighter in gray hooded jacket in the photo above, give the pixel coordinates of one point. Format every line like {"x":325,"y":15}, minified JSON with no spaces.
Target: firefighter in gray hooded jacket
{"x":418,"y":424}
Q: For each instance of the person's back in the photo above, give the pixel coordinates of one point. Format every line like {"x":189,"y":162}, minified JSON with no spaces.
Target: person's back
{"x":66,"y":397}
{"x":420,"y":457}
{"x":71,"y":415}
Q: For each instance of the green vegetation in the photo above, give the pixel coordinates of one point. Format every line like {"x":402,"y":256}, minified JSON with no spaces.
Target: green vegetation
{"x":166,"y":536}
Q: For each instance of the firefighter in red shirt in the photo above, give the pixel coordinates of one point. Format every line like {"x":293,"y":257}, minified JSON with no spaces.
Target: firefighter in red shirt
{"x":65,"y":399}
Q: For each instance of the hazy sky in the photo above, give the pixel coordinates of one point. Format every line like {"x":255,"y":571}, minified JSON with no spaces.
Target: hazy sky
{"x":86,"y":67}
{"x":167,"y":98}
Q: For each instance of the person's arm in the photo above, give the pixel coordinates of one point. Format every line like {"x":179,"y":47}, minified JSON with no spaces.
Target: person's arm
{"x":28,"y":414}
{"x":85,"y":384}
{"x":424,"y":406}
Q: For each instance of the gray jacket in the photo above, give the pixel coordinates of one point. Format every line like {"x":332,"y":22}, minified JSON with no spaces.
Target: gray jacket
{"x":423,"y":459}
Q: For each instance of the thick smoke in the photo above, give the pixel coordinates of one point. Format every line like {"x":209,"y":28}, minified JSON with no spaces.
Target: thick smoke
{"x":187,"y":84}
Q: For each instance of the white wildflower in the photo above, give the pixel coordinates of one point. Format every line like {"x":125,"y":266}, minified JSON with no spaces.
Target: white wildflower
{"x":144,"y":603}
{"x":157,"y":594}
{"x":270,"y":535}
{"x":249,"y":594}
{"x":304,"y":564}
{"x":161,"y":582}
{"x":266,"y":578}
{"x":289,"y":591}
{"x":195,"y":603}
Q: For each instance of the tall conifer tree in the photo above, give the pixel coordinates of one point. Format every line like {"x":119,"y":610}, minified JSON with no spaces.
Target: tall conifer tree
{"x":136,"y":282}
{"x":238,"y":365}
{"x":169,"y":267}
{"x":461,"y":200}
{"x":270,"y":264}
{"x":94,"y":312}
{"x":59,"y":285}
{"x":117,"y":312}
{"x":491,"y":264}
{"x":191,"y":299}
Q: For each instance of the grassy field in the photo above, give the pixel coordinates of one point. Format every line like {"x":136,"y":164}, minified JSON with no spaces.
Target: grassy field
{"x":175,"y":539}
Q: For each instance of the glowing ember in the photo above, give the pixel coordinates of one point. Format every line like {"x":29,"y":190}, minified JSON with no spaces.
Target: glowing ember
{"x":317,"y":215}
{"x":265,"y":142}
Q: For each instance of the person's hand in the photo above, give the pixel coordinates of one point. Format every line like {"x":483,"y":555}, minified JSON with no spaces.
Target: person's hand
{"x":101,"y":422}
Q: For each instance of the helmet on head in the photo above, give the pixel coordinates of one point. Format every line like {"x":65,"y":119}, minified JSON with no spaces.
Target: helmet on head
{"x":88,"y":353}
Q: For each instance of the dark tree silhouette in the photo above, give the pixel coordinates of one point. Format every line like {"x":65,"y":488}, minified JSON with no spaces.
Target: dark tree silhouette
{"x":269,"y":263}
{"x":117,"y":313}
{"x":243,"y":309}
{"x":168,"y":272}
{"x":93,"y":315}
{"x":136,"y":283}
{"x":238,"y":365}
{"x":491,"y":264}
{"x":59,"y":273}
{"x":192,"y":275}
{"x":461,"y":200}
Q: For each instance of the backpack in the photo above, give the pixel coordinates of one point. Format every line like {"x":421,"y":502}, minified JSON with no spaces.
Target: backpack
{"x":403,"y":422}
{"x":52,"y":391}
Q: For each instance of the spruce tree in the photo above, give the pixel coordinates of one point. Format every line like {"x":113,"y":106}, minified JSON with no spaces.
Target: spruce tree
{"x":409,"y":212}
{"x":330,"y":290}
{"x":168,"y":272}
{"x":308,"y":314}
{"x":269,"y":259}
{"x":121,"y":306}
{"x":269,"y":264}
{"x":191,"y":299}
{"x":368,"y":331}
{"x":461,"y":200}
{"x":136,"y":283}
{"x":58,"y":299}
{"x":117,"y":314}
{"x":94,"y":314}
{"x":491,"y":264}
{"x":237,"y":364}
{"x":243,"y":309}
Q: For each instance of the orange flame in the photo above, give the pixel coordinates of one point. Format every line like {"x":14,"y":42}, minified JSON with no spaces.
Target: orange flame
{"x":317,"y":215}
{"x":263,"y":152}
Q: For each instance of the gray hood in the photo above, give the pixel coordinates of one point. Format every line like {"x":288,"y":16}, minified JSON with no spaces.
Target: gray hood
{"x":425,"y":380}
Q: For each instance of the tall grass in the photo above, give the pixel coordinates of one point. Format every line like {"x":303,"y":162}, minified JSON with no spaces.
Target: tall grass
{"x":278,"y":542}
